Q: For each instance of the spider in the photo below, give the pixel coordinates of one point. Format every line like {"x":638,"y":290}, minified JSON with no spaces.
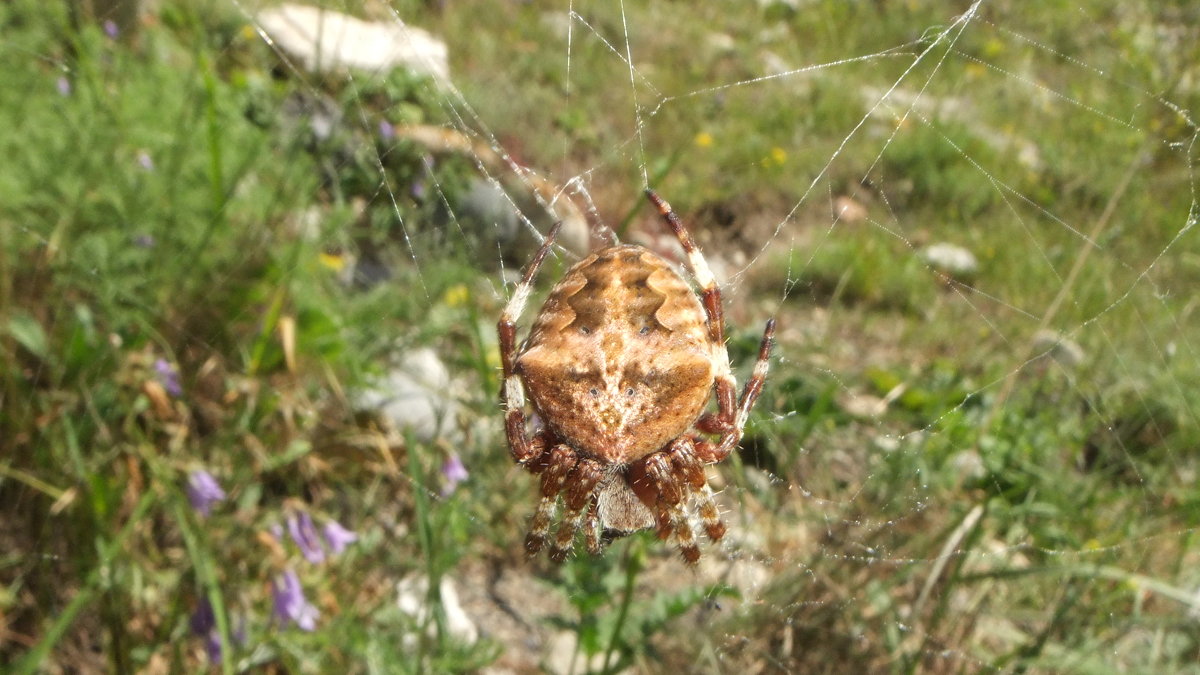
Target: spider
{"x":620,"y":364}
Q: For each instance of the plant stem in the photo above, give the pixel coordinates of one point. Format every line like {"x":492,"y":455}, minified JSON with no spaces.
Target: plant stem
{"x":633,"y":565}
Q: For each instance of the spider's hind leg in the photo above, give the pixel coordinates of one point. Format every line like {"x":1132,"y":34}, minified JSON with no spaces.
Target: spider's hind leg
{"x":578,"y":499}
{"x":561,"y":461}
{"x":714,"y":527}
{"x":591,"y":528}
{"x":666,"y":479}
{"x":685,"y":536}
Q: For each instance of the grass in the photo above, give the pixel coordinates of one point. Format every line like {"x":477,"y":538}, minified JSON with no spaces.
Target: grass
{"x":195,"y":277}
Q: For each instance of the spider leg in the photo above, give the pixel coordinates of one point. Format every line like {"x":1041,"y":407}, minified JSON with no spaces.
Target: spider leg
{"x":754,"y":385}
{"x":709,"y":515}
{"x":687,"y":465}
{"x":513,"y":394}
{"x":689,"y":455}
{"x":562,"y":460}
{"x":685,"y":537}
{"x":577,"y":498}
{"x":731,"y":414}
{"x":591,"y":527}
{"x":729,"y":422}
{"x":659,"y":483}
{"x":646,"y":477}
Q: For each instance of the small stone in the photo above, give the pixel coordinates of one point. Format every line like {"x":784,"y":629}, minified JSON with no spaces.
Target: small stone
{"x":327,"y":41}
{"x":721,"y":43}
{"x":412,"y":596}
{"x":558,"y":23}
{"x":1059,"y":347}
{"x":563,"y":655}
{"x":416,"y":396}
{"x":886,"y":444}
{"x":849,"y":211}
{"x":969,"y":466}
{"x":952,"y":260}
{"x":773,"y":64}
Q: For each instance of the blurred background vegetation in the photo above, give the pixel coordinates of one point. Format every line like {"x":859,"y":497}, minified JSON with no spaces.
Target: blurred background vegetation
{"x":219,"y":272}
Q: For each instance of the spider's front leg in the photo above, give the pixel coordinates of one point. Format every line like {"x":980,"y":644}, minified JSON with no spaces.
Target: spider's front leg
{"x":730,"y":418}
{"x":512,"y":394}
{"x":732,"y":412}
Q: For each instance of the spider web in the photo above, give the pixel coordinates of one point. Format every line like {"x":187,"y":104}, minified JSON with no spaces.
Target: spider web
{"x":1076,"y":303}
{"x":975,"y":225}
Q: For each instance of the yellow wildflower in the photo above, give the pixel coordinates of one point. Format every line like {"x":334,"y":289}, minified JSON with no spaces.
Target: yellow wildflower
{"x":333,"y":261}
{"x":456,"y":296}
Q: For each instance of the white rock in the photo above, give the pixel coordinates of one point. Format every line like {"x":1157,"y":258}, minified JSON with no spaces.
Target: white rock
{"x":887,"y":444}
{"x":558,"y":23}
{"x":950,"y":259}
{"x":849,"y":211}
{"x":862,"y":406}
{"x":969,"y":465}
{"x":416,"y":396}
{"x":721,"y":43}
{"x":412,"y":595}
{"x":324,"y":40}
{"x":773,"y":64}
{"x":564,"y":656}
{"x":1058,"y":347}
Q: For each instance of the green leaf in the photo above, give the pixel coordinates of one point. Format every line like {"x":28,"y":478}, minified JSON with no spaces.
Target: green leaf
{"x":29,"y":334}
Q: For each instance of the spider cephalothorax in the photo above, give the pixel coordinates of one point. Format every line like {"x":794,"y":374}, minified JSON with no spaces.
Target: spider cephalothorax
{"x":620,"y":364}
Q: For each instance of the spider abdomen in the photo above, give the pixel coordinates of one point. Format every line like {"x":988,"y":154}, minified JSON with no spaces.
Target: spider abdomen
{"x":618,"y":362}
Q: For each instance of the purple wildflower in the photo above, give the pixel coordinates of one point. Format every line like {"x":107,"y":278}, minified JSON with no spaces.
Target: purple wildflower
{"x":203,"y":619}
{"x":417,"y":189}
{"x":111,"y":29}
{"x":145,"y":241}
{"x":290,"y":603}
{"x":63,"y":85}
{"x":168,"y":377}
{"x":337,"y":536}
{"x":304,"y":533}
{"x":204,"y":624}
{"x":145,"y":161}
{"x":203,"y":491}
{"x":386,"y":131}
{"x":454,"y":472}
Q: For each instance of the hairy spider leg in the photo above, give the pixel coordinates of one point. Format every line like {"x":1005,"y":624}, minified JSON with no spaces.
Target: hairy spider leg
{"x":687,"y":465}
{"x":577,"y":498}
{"x":655,"y":482}
{"x":731,"y":412}
{"x":714,"y":527}
{"x":591,"y":527}
{"x":754,"y":387}
{"x":513,"y":394}
{"x":562,"y":461}
{"x":730,"y":416}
